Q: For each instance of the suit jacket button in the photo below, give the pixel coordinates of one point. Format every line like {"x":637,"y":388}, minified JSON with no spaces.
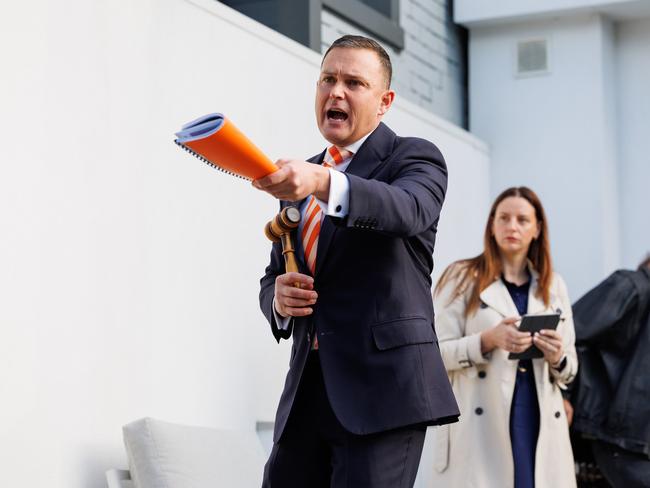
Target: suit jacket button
{"x":479,"y":411}
{"x":338,"y":208}
{"x":557,"y":415}
{"x":482,"y":374}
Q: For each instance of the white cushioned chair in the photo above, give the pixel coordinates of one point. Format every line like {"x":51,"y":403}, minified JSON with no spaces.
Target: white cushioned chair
{"x":165,"y":455}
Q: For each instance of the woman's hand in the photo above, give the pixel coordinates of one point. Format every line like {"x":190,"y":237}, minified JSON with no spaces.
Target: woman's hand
{"x":506,"y":336}
{"x":550,"y":343}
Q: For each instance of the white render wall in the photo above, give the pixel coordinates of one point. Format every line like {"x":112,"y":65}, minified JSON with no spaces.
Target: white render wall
{"x":553,"y":132}
{"x":633,"y":131}
{"x":130,"y":270}
{"x":475,"y":12}
{"x":576,"y":134}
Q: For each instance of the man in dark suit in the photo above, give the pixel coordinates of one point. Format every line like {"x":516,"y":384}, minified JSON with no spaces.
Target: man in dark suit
{"x":365,"y":377}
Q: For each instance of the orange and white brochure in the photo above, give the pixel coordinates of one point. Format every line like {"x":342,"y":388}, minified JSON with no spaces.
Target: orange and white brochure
{"x":215,"y":140}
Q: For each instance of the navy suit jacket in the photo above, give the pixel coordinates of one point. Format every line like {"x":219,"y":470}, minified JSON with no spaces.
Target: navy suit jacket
{"x":374,"y":314}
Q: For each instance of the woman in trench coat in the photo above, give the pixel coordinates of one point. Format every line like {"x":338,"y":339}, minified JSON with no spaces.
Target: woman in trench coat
{"x":513,"y":430}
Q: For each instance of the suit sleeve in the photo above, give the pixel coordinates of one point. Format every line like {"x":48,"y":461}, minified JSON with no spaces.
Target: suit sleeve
{"x":458,"y":351}
{"x":410,"y":202}
{"x":267,"y":292}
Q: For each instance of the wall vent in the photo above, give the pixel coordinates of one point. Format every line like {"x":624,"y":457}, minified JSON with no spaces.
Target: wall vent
{"x":532,"y":57}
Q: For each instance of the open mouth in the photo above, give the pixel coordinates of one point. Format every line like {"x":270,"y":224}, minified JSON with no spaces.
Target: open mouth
{"x":336,"y":114}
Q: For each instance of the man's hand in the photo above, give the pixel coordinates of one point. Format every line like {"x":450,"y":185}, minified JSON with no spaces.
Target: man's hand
{"x":291,"y":301}
{"x":549,"y":341}
{"x":296,"y":180}
{"x":506,"y":336}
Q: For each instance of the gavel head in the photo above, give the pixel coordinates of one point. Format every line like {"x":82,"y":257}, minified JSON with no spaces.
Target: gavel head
{"x":283,"y":223}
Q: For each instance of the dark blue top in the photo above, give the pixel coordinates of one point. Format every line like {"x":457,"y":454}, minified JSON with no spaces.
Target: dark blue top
{"x":524,"y":412}
{"x":519,"y":294}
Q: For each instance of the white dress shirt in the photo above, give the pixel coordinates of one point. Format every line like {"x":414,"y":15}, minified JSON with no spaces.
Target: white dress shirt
{"x":337,"y":205}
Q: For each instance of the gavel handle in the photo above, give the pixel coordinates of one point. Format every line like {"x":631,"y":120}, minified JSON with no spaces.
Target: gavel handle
{"x":290,"y":263}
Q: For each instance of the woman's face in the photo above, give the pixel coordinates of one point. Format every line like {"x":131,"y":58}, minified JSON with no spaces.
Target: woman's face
{"x":515,"y":225}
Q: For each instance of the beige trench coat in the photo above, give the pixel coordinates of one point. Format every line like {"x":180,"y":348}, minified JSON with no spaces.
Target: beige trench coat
{"x":476,"y":452}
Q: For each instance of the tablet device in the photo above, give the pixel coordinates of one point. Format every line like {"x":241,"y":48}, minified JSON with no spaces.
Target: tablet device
{"x":532,"y":324}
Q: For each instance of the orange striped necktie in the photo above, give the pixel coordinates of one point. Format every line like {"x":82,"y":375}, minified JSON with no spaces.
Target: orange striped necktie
{"x":334,"y":157}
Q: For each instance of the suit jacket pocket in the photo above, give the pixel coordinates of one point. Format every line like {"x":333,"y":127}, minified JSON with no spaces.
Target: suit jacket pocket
{"x":402,"y":332}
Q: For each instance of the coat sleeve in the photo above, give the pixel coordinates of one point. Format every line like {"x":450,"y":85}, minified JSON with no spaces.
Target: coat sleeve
{"x":410,"y":202}
{"x":267,"y":292}
{"x":601,"y":313}
{"x":458,"y":351}
{"x":569,"y":370}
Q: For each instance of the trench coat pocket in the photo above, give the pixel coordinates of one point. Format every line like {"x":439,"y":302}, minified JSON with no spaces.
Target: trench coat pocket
{"x":441,"y":441}
{"x":402,"y":332}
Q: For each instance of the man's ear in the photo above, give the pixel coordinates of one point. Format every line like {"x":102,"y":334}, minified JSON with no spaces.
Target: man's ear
{"x":386,"y":101}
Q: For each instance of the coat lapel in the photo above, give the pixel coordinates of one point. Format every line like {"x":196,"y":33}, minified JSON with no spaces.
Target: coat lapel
{"x":535,"y":304}
{"x":496,"y":296}
{"x":365,"y":162}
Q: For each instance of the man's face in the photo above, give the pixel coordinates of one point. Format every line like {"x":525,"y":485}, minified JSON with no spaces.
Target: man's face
{"x":351,"y":95}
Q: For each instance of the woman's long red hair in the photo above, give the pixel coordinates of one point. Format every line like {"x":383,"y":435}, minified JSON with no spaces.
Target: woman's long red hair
{"x":480,"y":272}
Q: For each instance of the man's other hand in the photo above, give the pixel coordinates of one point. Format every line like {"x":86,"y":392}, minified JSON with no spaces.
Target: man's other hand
{"x":296,"y":180}
{"x":294,"y":295}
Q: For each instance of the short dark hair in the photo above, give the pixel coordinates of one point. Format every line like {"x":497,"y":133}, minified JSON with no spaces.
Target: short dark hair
{"x":645,"y":263}
{"x":360,"y":42}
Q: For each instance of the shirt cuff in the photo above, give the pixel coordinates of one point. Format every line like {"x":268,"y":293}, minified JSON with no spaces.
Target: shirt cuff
{"x":339,"y":197}
{"x":282,"y":322}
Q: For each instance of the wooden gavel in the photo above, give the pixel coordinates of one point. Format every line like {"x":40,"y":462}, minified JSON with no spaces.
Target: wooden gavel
{"x":279,"y":230}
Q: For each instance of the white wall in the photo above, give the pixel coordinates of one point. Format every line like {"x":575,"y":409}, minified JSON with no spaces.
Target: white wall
{"x":555,"y":133}
{"x":633,"y":102}
{"x":474,"y":12}
{"x":129,"y":270}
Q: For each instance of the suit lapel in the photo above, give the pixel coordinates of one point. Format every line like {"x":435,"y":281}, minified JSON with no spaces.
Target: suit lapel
{"x":365,"y":162}
{"x":327,"y":231}
{"x":373,"y":152}
{"x":295,"y":238}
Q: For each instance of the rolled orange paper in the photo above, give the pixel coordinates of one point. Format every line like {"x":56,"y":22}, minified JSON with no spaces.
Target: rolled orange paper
{"x":218,"y":142}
